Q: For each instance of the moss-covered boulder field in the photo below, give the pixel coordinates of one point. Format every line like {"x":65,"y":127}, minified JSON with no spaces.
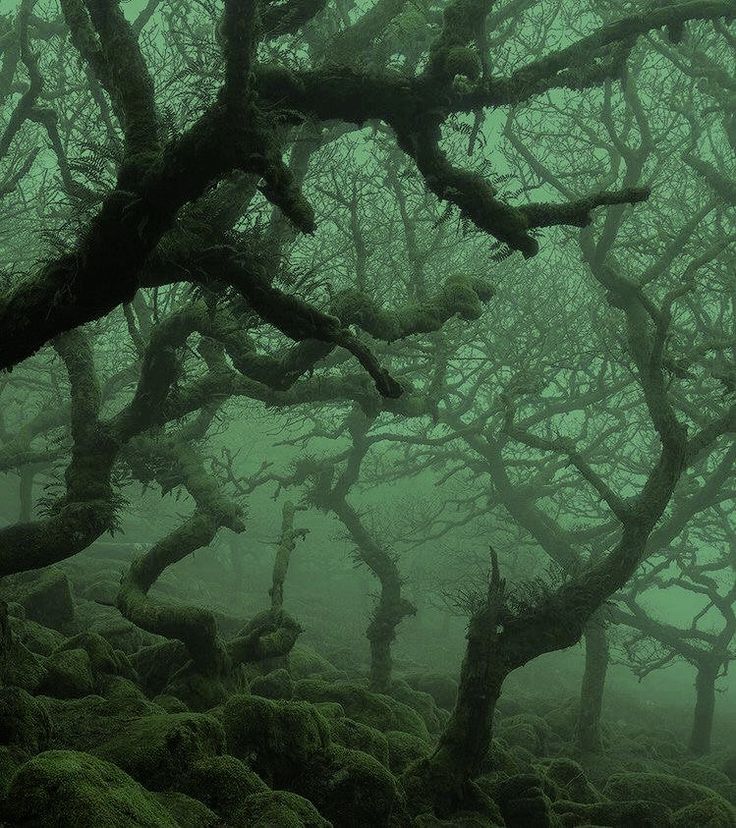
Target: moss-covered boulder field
{"x":88,"y":740}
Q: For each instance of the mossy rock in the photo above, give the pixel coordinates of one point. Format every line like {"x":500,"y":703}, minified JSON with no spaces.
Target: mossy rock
{"x":728,"y":766}
{"x":159,"y":750}
{"x":103,"y":590}
{"x":11,"y":758}
{"x":304,"y":662}
{"x":68,"y":789}
{"x":170,"y":703}
{"x":278,"y":684}
{"x":107,"y":622}
{"x":15,"y":610}
{"x":443,"y":689}
{"x":69,"y":675}
{"x":641,"y":814}
{"x":419,"y":701}
{"x":501,"y":760}
{"x":24,"y":720}
{"x":349,"y":787}
{"x":330,"y":710}
{"x":710,"y":777}
{"x":708,"y":813}
{"x":373,"y":709}
{"x":187,"y":812}
{"x":156,"y":664}
{"x":19,"y":667}
{"x":82,"y":724}
{"x":432,"y":788}
{"x":563,"y":719}
{"x":223,"y":783}
{"x":569,"y":777}
{"x":459,"y":820}
{"x":37,"y":638}
{"x":355,"y":735}
{"x":44,"y":594}
{"x":105,"y":660}
{"x":117,"y":687}
{"x":270,"y":809}
{"x":277,"y":737}
{"x":524,"y":799}
{"x":526,"y":731}
{"x":199,"y":693}
{"x":403,"y":749}
{"x":658,"y":787}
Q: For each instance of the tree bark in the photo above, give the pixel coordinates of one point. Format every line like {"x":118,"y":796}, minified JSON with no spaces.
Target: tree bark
{"x":593,"y":685}
{"x":391,"y":608}
{"x":705,"y":704}
{"x":443,"y":781}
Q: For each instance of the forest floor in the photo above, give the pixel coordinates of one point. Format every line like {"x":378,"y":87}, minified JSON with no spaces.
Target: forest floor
{"x":97,"y":730}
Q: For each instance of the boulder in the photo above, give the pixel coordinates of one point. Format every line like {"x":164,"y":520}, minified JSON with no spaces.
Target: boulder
{"x":68,"y":789}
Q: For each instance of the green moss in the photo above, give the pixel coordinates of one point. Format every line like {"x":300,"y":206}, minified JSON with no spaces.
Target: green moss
{"x":277,"y":737}
{"x":526,"y":731}
{"x":729,"y":766}
{"x":352,"y":734}
{"x":81,"y":724}
{"x":278,"y":684}
{"x":37,"y":638}
{"x":43,"y":593}
{"x":403,"y":749}
{"x":279,"y":808}
{"x":563,"y":719}
{"x":156,"y":663}
{"x":103,"y":589}
{"x":117,"y":687}
{"x":104,"y":659}
{"x":19,"y":667}
{"x":499,"y":760}
{"x":158,"y":750}
{"x":351,"y":788}
{"x":223,"y":783}
{"x":187,"y":812}
{"x":419,"y":701}
{"x":24,"y":720}
{"x":330,"y":710}
{"x":170,"y":703}
{"x":198,"y":692}
{"x":708,"y":813}
{"x":569,"y":777}
{"x":304,"y":662}
{"x":67,"y":789}
{"x":637,"y":813}
{"x":68,"y":675}
{"x":373,"y":709}
{"x":657,"y":787}
{"x":709,"y":776}
{"x":11,"y":758}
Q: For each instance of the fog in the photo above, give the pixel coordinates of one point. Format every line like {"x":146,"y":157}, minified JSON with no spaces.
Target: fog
{"x":367,"y":413}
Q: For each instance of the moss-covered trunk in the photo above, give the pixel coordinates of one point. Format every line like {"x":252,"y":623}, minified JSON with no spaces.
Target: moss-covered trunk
{"x":465,"y":741}
{"x":443,"y":781}
{"x":593,"y":685}
{"x":705,"y":705}
{"x":391,"y":608}
{"x":381,"y":634}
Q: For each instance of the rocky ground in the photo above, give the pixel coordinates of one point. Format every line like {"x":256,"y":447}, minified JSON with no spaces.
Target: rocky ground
{"x":98,"y":727}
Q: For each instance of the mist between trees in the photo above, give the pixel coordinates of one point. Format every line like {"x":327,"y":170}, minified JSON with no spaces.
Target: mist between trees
{"x":358,"y":360}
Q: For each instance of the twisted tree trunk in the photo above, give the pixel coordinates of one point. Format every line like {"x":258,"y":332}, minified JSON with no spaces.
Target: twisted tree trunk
{"x":391,"y":608}
{"x":593,"y":685}
{"x":443,"y":781}
{"x":705,"y":704}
